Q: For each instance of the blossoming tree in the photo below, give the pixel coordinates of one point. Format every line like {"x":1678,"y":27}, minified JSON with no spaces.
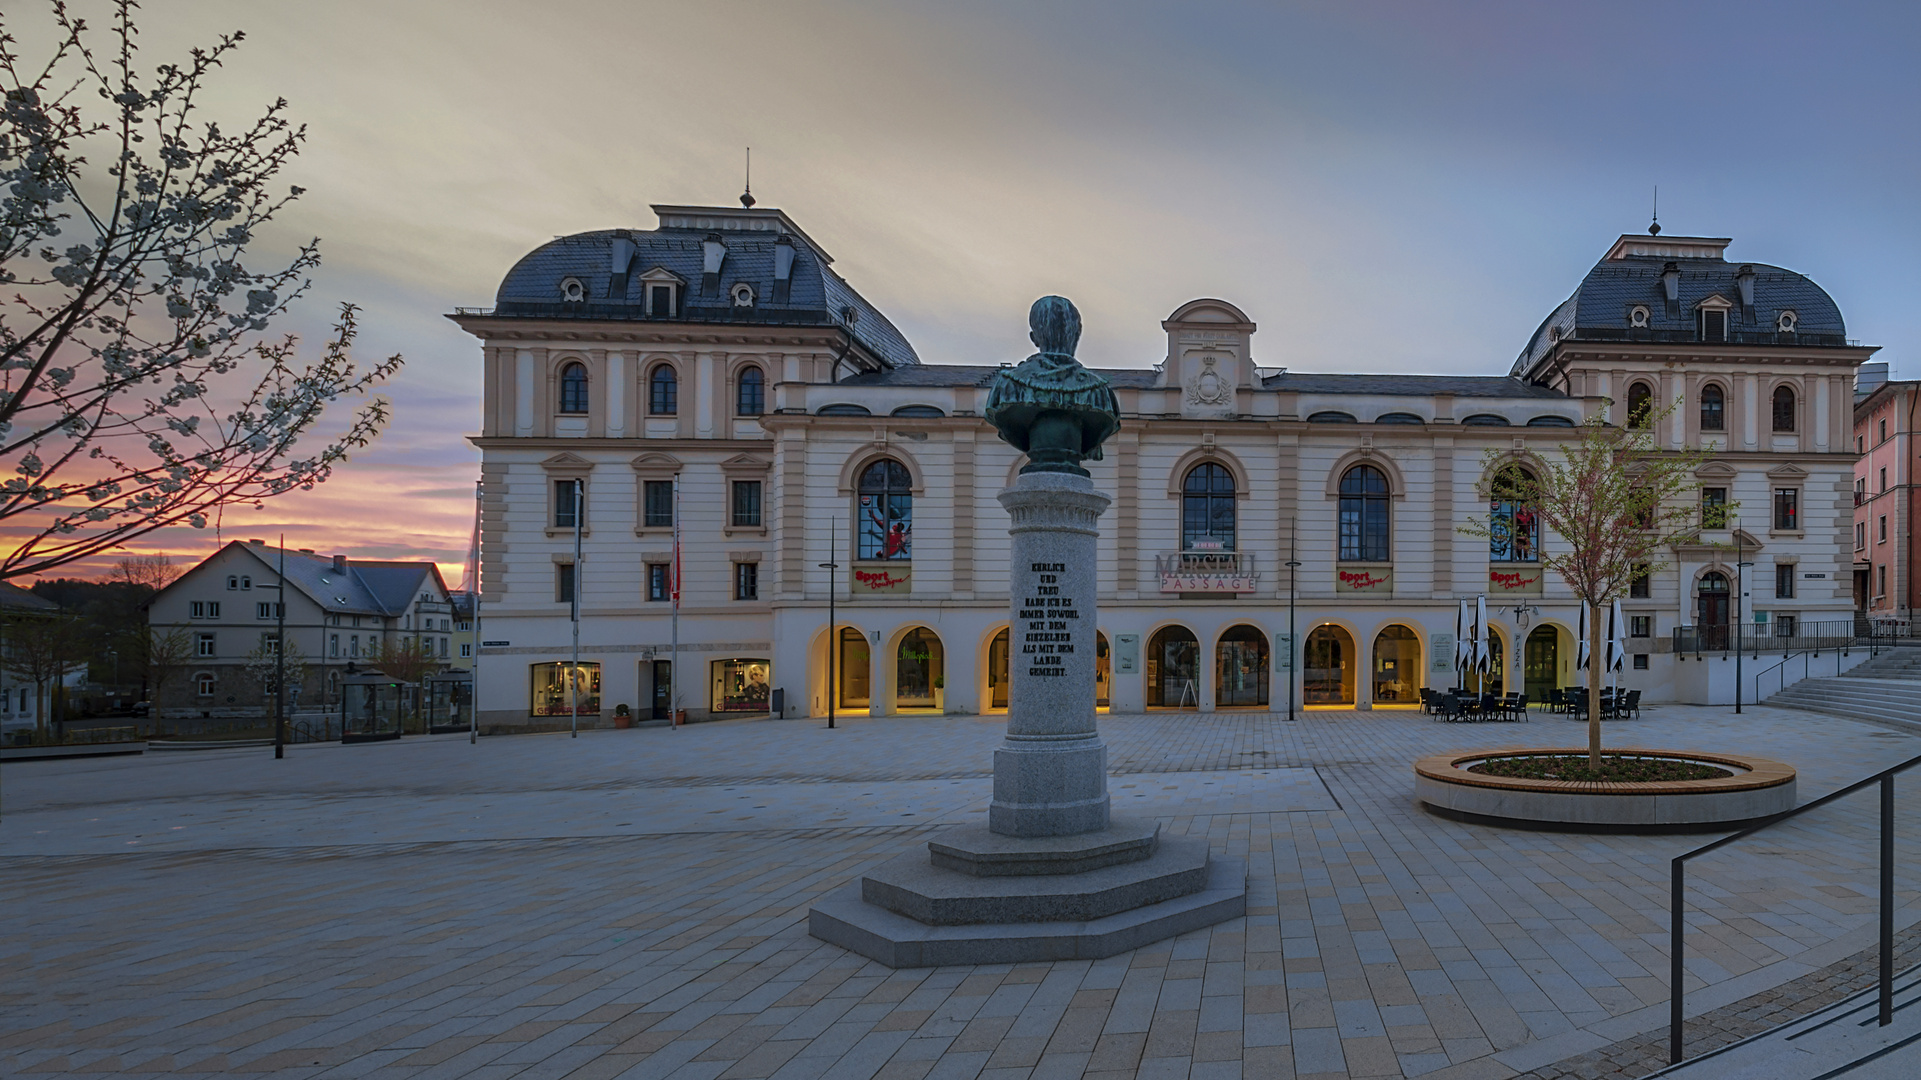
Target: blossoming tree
{"x":136,"y":389}
{"x":1616,"y":501}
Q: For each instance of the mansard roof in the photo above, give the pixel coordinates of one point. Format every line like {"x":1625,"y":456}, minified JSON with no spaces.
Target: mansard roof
{"x":609,"y":264}
{"x":1630,"y":276}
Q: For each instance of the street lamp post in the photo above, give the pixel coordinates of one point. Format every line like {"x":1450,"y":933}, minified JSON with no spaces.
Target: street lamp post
{"x":833,"y":628}
{"x":1293,"y":645}
{"x":1740,"y":586}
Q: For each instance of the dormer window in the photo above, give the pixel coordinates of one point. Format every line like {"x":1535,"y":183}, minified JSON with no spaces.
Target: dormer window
{"x":660,"y":293}
{"x":1713,"y":324}
{"x":572,"y":291}
{"x":743,"y":294}
{"x":1638,"y":316}
{"x":1785,"y":322}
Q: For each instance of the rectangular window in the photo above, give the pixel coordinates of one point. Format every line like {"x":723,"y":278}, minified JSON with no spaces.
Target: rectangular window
{"x":466,"y":625}
{"x":233,"y":582}
{"x":562,"y":689}
{"x":1714,"y":508}
{"x":206,"y":609}
{"x":659,"y":506}
{"x":1860,"y":536}
{"x":443,"y":648}
{"x":269,"y":645}
{"x":569,"y":501}
{"x":660,"y":301}
{"x":746,"y":581}
{"x":1784,"y":581}
{"x":1640,"y":626}
{"x":1881,"y":580}
{"x":1884,"y":431}
{"x":747,"y":504}
{"x":1638,"y":584}
{"x":1784,"y":625}
{"x":466,"y":649}
{"x":203,"y":645}
{"x":564,"y":583}
{"x":659,"y":581}
{"x":1787,"y":508}
{"x":1714,"y":326}
{"x":333,"y":644}
{"x":353,"y":645}
{"x":1860,"y":490}
{"x":740,"y":685}
{"x":1881,"y":529}
{"x":1884,"y":479}
{"x":1640,"y":661}
{"x":266,"y":609}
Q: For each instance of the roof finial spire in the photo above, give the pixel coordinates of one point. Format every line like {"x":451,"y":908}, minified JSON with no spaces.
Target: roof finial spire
{"x":1655,"y":229}
{"x":747,"y":196}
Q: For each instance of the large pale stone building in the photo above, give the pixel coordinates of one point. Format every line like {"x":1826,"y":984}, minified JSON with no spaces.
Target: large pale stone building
{"x":717,"y":373}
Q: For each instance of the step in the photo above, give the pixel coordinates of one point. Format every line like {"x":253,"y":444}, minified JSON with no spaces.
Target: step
{"x":1844,"y":1039}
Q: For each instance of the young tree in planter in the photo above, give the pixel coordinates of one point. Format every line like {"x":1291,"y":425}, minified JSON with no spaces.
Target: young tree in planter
{"x":264,"y":666}
{"x":1617,"y":502}
{"x":43,"y":650}
{"x":136,"y":390}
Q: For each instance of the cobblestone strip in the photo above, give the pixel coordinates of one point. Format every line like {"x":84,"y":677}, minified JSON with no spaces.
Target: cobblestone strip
{"x":1645,"y":1054}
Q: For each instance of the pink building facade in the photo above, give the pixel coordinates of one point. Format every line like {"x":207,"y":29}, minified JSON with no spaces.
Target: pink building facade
{"x":1885,"y":512}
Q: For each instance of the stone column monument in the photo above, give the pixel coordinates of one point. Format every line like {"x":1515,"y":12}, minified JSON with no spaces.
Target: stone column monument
{"x":1049,"y":875}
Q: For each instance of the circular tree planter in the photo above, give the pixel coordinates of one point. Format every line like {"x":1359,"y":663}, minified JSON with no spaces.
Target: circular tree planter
{"x":1757,"y":789}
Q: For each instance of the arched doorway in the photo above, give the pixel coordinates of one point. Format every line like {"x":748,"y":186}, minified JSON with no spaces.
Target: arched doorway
{"x":1240,"y":668}
{"x":919,"y":670}
{"x":852,"y":669}
{"x":1541,"y":663}
{"x":997,"y":670}
{"x":1397,"y":666}
{"x":1173,"y":659}
{"x":1328,"y":667}
{"x":1103,"y":673}
{"x":1711,"y":609}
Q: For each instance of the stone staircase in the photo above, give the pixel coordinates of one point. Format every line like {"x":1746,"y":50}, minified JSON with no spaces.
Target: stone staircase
{"x":1886,"y":688}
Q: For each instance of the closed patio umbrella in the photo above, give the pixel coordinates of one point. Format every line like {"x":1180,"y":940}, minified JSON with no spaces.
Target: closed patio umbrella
{"x":1483,"y":656}
{"x":1581,"y":648}
{"x":1463,"y":642}
{"x":1617,"y":638}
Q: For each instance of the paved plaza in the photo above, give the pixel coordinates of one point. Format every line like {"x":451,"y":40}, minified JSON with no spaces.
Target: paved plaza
{"x":633,"y":904}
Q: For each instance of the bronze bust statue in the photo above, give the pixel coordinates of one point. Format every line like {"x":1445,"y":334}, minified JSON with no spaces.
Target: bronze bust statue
{"x":1048,"y":406}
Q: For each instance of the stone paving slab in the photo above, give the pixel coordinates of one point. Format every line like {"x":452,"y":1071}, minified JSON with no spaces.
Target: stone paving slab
{"x":1379,"y":940}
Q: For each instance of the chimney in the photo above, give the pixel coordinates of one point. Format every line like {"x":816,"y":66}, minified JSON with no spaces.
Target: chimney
{"x":1671,"y":283}
{"x":1869,"y":377}
{"x":306,"y":551}
{"x":258,"y":543}
{"x":340,"y":564}
{"x":783,"y":267}
{"x":1744,"y":281}
{"x":713,"y":250}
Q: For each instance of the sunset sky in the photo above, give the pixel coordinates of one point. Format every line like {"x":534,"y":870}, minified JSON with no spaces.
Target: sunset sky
{"x":1383,"y":187}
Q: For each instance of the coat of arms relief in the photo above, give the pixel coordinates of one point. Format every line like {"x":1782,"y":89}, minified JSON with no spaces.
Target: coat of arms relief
{"x":1209,"y":389}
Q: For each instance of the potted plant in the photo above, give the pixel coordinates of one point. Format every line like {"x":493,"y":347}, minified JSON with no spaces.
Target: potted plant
{"x":622,"y":718}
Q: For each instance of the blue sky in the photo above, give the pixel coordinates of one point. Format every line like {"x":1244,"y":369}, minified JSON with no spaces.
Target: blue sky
{"x":1387,"y":187}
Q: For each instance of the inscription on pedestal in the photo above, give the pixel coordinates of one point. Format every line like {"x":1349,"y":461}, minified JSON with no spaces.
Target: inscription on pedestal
{"x":1052,"y":625}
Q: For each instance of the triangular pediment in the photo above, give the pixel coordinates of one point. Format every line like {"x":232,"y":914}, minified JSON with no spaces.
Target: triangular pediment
{"x":566,"y":461}
{"x":662,"y":274}
{"x":746,"y":463}
{"x":655,"y":462}
{"x":1716,"y":302}
{"x":1716,"y":470}
{"x":1787,"y":471}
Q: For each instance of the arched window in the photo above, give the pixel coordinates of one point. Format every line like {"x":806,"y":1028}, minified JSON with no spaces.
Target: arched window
{"x":997,"y":665}
{"x":750,"y":395}
{"x":1714,"y":415}
{"x":1364,"y":521}
{"x":663,"y":391}
{"x":1784,"y":409}
{"x":573,"y":388}
{"x":1515,"y":532}
{"x":1173,"y":663}
{"x":1207,"y":506}
{"x":1397,"y":665}
{"x":1640,"y":405}
{"x":885,"y":526}
{"x":920,"y":671}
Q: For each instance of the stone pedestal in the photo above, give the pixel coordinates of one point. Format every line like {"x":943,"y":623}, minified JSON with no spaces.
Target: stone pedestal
{"x":1050,"y":876}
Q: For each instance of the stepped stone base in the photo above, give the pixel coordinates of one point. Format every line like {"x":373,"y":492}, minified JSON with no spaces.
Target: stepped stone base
{"x":911,"y":886}
{"x":975,"y":849}
{"x":845,"y":919}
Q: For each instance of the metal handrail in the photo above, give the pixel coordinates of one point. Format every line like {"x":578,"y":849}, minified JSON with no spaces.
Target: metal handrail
{"x":1677,"y":908}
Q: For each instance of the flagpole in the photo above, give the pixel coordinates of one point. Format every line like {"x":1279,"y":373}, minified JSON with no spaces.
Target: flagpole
{"x":573,"y":675}
{"x":673,"y":666}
